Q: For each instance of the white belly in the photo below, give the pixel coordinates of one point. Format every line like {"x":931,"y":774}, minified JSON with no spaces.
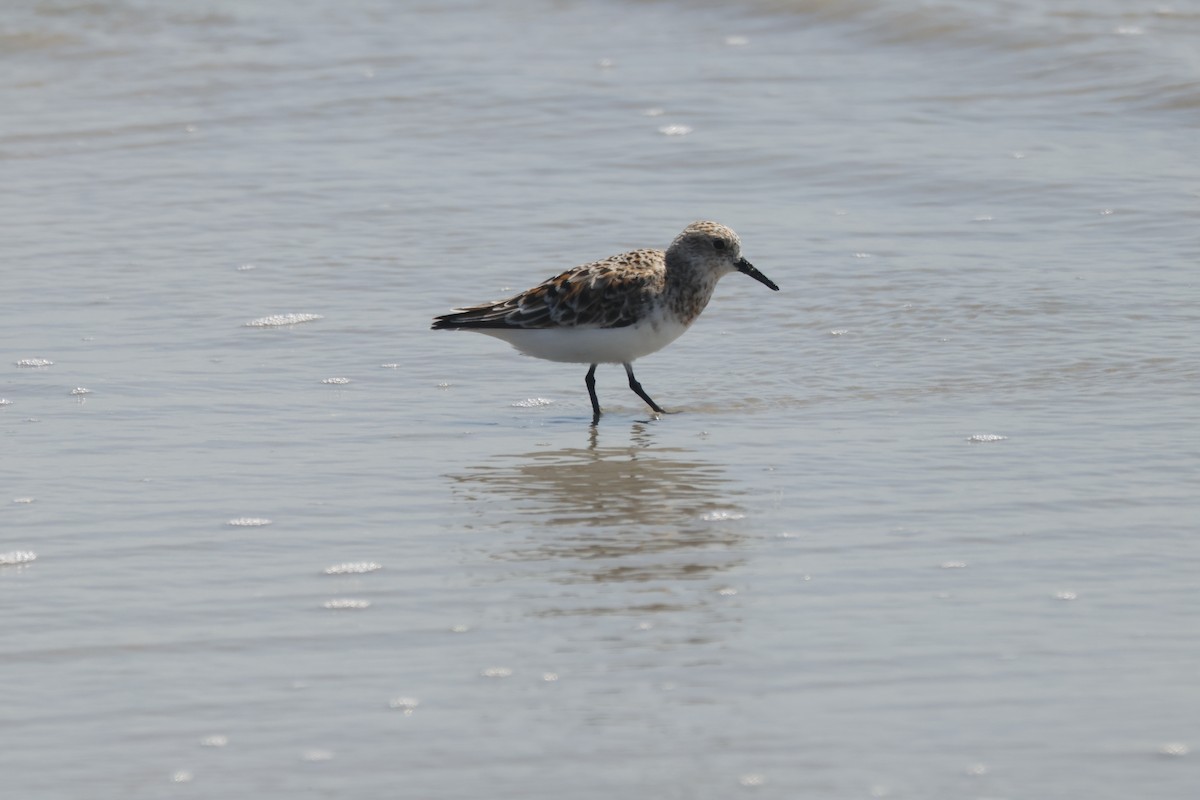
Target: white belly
{"x":592,"y":345}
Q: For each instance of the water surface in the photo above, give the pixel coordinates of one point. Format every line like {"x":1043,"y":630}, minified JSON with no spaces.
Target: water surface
{"x":923,"y":527}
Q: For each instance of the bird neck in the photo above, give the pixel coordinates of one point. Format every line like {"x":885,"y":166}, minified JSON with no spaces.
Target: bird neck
{"x":688,"y":287}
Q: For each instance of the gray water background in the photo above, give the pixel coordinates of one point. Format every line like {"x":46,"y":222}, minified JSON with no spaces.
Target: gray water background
{"x":826,"y":577}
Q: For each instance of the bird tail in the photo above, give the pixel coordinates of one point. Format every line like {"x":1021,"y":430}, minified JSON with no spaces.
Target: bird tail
{"x":468,"y":318}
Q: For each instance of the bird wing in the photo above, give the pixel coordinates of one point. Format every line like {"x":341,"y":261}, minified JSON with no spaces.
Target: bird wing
{"x":612,"y":293}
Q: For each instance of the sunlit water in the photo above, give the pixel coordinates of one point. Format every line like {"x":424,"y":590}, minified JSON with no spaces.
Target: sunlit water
{"x":924,"y":527}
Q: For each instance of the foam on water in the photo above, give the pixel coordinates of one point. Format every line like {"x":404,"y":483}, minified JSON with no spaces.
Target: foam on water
{"x":406,"y":704}
{"x":496,"y":672}
{"x":347,"y":604}
{"x":675,"y":130}
{"x":248,"y":522}
{"x":533,"y":402}
{"x":281,"y":320}
{"x":353,"y":568}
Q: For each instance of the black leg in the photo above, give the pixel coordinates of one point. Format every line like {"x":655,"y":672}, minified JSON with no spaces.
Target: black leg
{"x":637,"y":387}
{"x":590,"y":380}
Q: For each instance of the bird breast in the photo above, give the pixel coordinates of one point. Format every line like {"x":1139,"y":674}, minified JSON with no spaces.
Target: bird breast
{"x":584,"y":345}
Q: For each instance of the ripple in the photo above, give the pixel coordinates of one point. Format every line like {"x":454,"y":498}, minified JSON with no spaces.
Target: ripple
{"x":278,"y":320}
{"x":35,"y":362}
{"x":315,"y":755}
{"x":675,"y":130}
{"x":986,"y":437}
{"x":336,"y":381}
{"x":17,"y":557}
{"x":1174,"y":749}
{"x":23,"y":500}
{"x":216,"y":740}
{"x":79,"y":390}
{"x":4,"y":401}
{"x":353,"y":568}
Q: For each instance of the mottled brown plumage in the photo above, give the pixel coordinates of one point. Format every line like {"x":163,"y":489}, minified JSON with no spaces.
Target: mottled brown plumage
{"x":611,"y":293}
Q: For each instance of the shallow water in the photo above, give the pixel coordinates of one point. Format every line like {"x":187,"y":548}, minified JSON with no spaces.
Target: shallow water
{"x":924,"y":526}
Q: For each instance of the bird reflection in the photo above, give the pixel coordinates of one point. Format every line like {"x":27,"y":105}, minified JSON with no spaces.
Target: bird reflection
{"x":632,"y":512}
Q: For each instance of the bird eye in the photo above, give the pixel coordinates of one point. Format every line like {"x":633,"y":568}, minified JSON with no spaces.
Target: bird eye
{"x":718,"y":244}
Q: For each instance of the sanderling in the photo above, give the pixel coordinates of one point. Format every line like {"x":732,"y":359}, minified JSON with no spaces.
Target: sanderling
{"x":615,"y":310}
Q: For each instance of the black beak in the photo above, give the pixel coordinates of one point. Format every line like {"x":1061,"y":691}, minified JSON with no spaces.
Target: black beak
{"x":746,"y":268}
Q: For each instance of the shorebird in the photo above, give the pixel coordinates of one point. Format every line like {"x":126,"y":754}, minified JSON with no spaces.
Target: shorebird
{"x":616,"y":310}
